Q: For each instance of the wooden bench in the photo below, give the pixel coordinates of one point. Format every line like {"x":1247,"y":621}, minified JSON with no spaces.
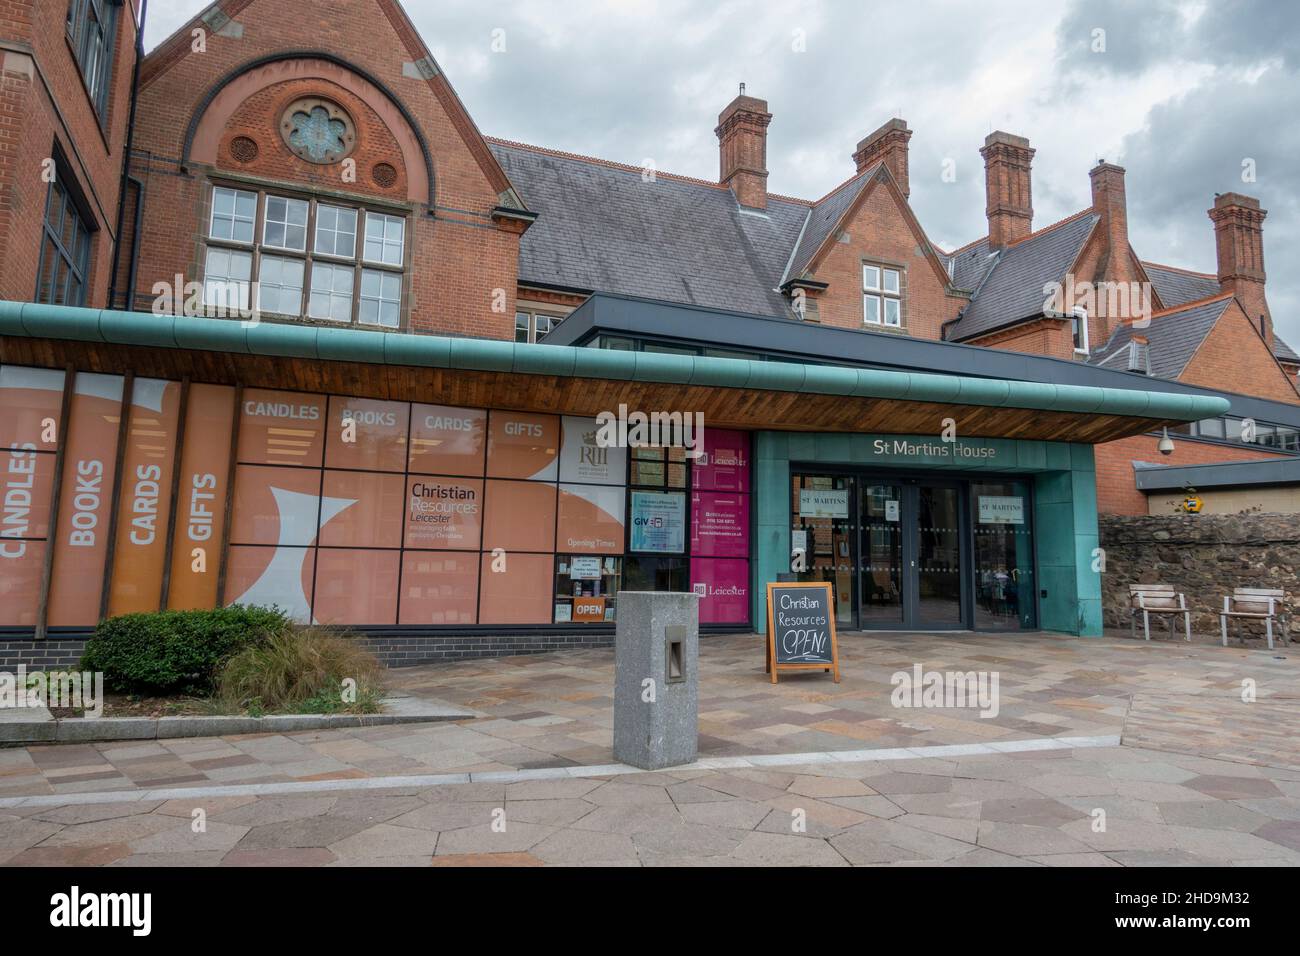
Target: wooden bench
{"x":1151,"y":599}
{"x":1260,"y":604}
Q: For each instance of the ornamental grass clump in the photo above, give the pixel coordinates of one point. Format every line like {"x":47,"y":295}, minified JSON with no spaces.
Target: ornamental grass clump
{"x":303,"y":670}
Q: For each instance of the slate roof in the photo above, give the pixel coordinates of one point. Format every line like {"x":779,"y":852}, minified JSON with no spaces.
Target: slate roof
{"x":1012,"y":290}
{"x":1284,"y":352}
{"x":824,"y":216}
{"x":1173,"y":339}
{"x":969,"y":265}
{"x":600,"y":227}
{"x":1176,"y":286}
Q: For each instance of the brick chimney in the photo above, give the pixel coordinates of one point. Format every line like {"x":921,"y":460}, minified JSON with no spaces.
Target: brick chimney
{"x":1009,"y":204}
{"x":742,"y":149}
{"x":1110,"y":203}
{"x":1239,"y":241}
{"x":887,"y":144}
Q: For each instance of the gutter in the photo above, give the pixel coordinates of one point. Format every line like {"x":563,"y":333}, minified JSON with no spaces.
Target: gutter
{"x":126,"y":172}
{"x":138,"y":329}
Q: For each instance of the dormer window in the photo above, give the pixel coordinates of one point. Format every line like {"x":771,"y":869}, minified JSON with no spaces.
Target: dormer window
{"x":882,"y":296}
{"x":1079,"y":331}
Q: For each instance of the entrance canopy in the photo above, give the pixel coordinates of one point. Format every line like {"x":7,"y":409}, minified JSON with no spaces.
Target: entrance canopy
{"x":731,"y":393}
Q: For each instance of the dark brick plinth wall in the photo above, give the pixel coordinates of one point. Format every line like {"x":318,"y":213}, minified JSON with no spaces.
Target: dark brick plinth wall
{"x":406,"y":651}
{"x":395,"y":650}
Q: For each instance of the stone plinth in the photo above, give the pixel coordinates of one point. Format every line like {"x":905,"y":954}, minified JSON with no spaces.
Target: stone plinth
{"x":656,"y":679}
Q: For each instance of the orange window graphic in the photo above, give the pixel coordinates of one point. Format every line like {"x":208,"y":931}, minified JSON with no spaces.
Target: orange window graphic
{"x":439,"y":587}
{"x":591,"y":519}
{"x":21,"y":565}
{"x":85,"y":501}
{"x":521,"y":445}
{"x":31,"y":399}
{"x":520,"y":594}
{"x":356,"y":587}
{"x":262,"y":577}
{"x":447,"y":441}
{"x":374,"y":517}
{"x":276,"y":506}
{"x":26,"y":485}
{"x":367,"y":434}
{"x":519,"y":516}
{"x":201,"y":505}
{"x":443,"y":513}
{"x":145,"y":500}
{"x":281,"y":428}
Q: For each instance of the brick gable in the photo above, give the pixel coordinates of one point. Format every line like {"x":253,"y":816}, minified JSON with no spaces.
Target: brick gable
{"x":363,"y":55}
{"x":1235,"y":357}
{"x":880,"y":228}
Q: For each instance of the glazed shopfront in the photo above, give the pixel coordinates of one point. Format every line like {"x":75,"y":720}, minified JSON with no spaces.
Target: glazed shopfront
{"x":430,"y":487}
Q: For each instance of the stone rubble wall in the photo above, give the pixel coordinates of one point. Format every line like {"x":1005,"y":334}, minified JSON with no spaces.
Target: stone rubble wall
{"x":1205,"y":557}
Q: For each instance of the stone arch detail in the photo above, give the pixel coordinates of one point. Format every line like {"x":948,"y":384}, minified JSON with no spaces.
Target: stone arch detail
{"x":203,"y":136}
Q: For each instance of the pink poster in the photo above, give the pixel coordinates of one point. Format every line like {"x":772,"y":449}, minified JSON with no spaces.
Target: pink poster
{"x":725,"y":463}
{"x":723,"y":586}
{"x":719,"y":525}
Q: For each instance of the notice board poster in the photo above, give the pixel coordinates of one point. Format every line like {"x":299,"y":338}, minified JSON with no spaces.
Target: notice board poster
{"x":658,"y":522}
{"x":719,"y":524}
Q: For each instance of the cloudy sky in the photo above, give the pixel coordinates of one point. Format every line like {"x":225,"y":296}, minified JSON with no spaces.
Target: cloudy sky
{"x":1188,"y":96}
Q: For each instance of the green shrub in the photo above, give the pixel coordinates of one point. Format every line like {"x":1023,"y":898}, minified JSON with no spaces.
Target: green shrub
{"x":301,"y":671}
{"x":175,"y":651}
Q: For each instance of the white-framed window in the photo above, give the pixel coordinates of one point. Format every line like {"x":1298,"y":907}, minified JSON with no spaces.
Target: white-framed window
{"x":304,"y":257}
{"x":331,"y":292}
{"x":233,"y":213}
{"x":226,"y":277}
{"x":385,"y":238}
{"x":381,"y":298}
{"x":279,"y":286}
{"x":1079,"y":330}
{"x":336,"y":231}
{"x":882,"y":302}
{"x":532,"y":326}
{"x":285,"y":224}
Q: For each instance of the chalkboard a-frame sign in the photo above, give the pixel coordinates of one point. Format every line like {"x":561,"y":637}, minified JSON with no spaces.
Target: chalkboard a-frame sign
{"x":801,"y":628}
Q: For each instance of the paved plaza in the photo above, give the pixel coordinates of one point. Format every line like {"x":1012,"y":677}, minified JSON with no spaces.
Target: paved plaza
{"x":1103,"y":752}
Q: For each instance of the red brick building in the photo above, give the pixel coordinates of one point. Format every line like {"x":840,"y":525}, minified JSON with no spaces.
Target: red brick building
{"x":345,"y":184}
{"x":66,"y":71}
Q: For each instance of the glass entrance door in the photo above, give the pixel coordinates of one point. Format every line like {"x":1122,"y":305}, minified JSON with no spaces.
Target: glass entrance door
{"x":910,"y":554}
{"x":937,"y":534}
{"x":882,"y":582}
{"x":1002,"y":572}
{"x":822,"y":535}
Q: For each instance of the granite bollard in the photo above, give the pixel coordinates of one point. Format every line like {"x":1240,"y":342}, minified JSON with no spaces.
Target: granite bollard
{"x":656,"y":678}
